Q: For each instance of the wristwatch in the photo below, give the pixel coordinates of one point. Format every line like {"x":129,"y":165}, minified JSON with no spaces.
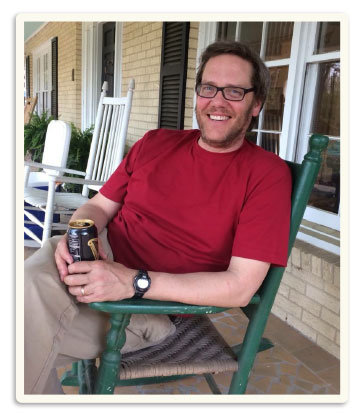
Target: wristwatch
{"x":141,"y":284}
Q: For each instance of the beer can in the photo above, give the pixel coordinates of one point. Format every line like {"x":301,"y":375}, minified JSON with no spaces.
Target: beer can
{"x":83,"y":240}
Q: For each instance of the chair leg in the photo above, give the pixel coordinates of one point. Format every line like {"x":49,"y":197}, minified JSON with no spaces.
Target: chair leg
{"x":49,"y":211}
{"x":250,"y":347}
{"x":110,"y":360}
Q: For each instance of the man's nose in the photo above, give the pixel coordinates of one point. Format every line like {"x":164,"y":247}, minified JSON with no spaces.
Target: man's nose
{"x":219,"y":97}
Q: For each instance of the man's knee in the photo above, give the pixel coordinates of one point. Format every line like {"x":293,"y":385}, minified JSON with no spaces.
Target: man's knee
{"x":42,"y":262}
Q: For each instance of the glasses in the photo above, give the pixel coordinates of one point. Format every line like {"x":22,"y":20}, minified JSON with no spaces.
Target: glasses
{"x":231,"y":93}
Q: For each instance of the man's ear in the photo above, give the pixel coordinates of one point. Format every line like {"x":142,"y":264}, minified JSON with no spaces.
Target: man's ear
{"x":257,"y":107}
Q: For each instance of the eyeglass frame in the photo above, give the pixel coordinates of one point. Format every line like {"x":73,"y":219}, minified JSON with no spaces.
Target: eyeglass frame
{"x":221,"y":88}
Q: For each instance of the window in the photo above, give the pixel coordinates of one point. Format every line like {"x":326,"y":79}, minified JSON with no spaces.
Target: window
{"x":320,"y":114}
{"x":42,"y":78}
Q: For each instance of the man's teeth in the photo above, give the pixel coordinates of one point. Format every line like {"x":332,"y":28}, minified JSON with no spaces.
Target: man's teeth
{"x":218,"y":117}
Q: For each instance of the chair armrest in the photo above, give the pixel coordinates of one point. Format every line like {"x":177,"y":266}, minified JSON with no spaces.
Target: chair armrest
{"x":144,"y":306}
{"x":55,"y":168}
{"x":76,"y":180}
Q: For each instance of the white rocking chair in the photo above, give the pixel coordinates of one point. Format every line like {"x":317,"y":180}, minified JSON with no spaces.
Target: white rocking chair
{"x":56,"y":149}
{"x":106,"y":152}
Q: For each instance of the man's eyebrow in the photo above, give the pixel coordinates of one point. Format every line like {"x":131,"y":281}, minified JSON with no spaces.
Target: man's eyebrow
{"x":225,"y":86}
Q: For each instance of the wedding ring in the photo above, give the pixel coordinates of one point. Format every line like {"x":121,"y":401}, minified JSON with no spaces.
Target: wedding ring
{"x":82,"y":291}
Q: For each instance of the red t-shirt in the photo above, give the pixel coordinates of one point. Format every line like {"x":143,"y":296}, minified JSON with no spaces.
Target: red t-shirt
{"x":185,"y":209}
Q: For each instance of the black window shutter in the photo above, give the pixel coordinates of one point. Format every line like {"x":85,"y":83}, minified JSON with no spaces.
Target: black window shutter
{"x":174,"y":54}
{"x":27,"y":74}
{"x":54,"y":77}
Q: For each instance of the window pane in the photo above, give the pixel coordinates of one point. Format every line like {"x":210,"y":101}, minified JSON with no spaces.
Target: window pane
{"x":326,"y":114}
{"x":326,"y":120}
{"x":226,"y":31}
{"x":45,"y":72}
{"x":326,"y":192}
{"x":270,"y":142}
{"x":278,"y":43}
{"x":250,"y":34}
{"x":274,"y":106}
{"x":328,"y":37}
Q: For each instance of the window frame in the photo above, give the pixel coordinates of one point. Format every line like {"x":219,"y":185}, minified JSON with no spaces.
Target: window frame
{"x":313,"y":214}
{"x":38,"y":55}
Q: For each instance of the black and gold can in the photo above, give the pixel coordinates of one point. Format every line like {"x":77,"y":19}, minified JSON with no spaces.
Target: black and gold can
{"x":83,"y":240}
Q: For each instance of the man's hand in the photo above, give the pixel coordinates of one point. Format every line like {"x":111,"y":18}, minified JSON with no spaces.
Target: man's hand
{"x":105,"y":280}
{"x":63,"y":257}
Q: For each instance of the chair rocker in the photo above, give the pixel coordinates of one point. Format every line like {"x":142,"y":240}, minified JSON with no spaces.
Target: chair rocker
{"x":106,"y":152}
{"x":204,"y":350}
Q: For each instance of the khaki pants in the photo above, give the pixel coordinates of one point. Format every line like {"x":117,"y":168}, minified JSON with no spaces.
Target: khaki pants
{"x":59,"y":330}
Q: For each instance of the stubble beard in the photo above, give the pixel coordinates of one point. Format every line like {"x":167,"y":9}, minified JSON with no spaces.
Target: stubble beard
{"x":235,"y":136}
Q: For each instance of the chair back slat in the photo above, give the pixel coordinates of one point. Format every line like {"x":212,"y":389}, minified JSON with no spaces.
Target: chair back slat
{"x":105,"y":173}
{"x":103,"y":145}
{"x":95,"y":138}
{"x":57,"y":144}
{"x":99,"y":143}
{"x":118,"y":150}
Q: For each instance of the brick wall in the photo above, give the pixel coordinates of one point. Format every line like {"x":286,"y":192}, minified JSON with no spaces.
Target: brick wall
{"x":69,"y":58}
{"x":309,"y":295}
{"x":141,"y":59}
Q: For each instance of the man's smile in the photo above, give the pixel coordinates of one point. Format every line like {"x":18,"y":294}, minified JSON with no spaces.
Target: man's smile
{"x":218,"y":117}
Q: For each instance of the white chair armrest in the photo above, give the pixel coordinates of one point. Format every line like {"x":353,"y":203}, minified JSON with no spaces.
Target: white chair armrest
{"x":76,"y":180}
{"x":55,"y":168}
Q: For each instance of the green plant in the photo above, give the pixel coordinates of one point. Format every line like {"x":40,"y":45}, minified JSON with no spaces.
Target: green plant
{"x":79,"y":147}
{"x":34,"y":135}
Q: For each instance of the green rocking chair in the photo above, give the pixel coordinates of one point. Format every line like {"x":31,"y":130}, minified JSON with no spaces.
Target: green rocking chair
{"x":196,"y":348}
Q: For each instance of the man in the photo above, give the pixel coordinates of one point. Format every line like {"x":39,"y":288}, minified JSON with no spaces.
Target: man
{"x":203,"y":215}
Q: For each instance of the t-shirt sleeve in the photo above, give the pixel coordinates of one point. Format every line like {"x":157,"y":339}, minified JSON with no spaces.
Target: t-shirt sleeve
{"x":264,"y":222}
{"x":115,"y":187}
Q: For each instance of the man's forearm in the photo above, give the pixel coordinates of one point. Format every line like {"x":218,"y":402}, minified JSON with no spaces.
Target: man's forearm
{"x":222,"y":289}
{"x":112,"y":281}
{"x":99,"y":209}
{"x":202,"y":288}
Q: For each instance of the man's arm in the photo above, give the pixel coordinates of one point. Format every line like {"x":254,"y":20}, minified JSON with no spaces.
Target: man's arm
{"x":111,"y":281}
{"x":99,"y":209}
{"x":233,"y":287}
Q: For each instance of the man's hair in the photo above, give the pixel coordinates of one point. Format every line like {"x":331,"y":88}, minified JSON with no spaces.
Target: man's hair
{"x":260,"y":77}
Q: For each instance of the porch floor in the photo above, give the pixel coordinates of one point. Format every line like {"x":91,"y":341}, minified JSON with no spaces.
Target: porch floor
{"x":295,"y":365}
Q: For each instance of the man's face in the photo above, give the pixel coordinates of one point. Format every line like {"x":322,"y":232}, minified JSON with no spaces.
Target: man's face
{"x":223,"y":123}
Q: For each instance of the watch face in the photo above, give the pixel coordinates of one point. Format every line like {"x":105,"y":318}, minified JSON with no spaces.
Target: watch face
{"x":142,"y":283}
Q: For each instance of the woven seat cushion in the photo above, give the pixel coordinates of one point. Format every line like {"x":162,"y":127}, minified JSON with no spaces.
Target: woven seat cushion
{"x":196,"y":347}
